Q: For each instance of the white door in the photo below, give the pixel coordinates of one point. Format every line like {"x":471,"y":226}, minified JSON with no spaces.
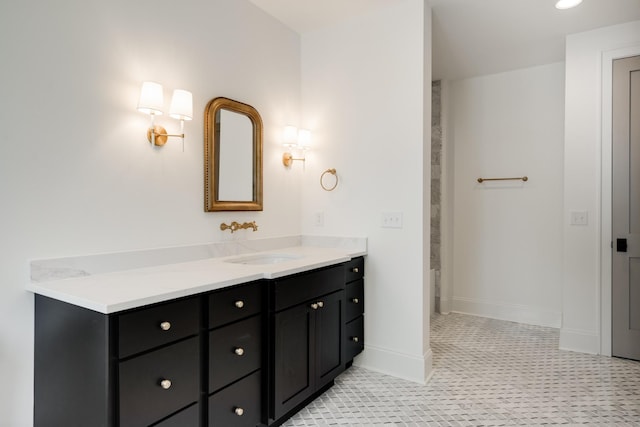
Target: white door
{"x":626,"y":209}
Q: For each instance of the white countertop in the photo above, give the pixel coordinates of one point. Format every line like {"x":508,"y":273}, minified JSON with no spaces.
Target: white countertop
{"x":121,"y":290}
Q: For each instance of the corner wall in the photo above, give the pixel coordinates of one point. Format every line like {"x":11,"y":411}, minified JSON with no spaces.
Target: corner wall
{"x":77,"y":175}
{"x":586,"y":162}
{"x":366,"y":97}
{"x":507,"y":235}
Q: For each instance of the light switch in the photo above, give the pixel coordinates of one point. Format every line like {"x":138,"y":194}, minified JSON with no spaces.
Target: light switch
{"x":579,"y":218}
{"x":391,"y":220}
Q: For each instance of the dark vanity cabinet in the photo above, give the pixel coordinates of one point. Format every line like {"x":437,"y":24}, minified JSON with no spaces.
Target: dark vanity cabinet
{"x":354,"y":318}
{"x":243,"y":356}
{"x":307,"y":318}
{"x":192,"y":362}
{"x":137,"y":368}
{"x":158,"y":371}
{"x":235,"y":342}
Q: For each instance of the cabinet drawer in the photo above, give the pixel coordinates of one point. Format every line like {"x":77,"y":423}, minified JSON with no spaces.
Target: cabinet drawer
{"x":158,"y":325}
{"x":303,"y":287}
{"x":235,"y":351}
{"x":143,"y":398}
{"x":354,"y":337}
{"x":354,"y":269}
{"x":355,"y":299}
{"x":238,"y":405}
{"x":189,"y":417}
{"x":233,"y":304}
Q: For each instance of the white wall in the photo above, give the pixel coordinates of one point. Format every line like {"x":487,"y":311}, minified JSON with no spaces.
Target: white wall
{"x":364,"y":98}
{"x":77,"y":175}
{"x":586,"y":163}
{"x":507,"y":236}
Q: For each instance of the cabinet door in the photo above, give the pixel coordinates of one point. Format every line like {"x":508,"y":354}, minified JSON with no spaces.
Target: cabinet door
{"x":354,"y":269}
{"x":235,"y":351}
{"x":144,"y":329}
{"x":156,"y":384}
{"x":237,"y":405}
{"x":329,"y":337}
{"x":230,"y":305}
{"x":355,"y":300}
{"x":293,"y":359}
{"x":354,"y":338}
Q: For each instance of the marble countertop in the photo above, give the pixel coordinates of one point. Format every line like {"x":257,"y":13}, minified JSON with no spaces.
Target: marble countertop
{"x":116,"y":291}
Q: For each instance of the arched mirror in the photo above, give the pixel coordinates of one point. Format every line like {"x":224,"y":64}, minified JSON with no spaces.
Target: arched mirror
{"x":232,"y":157}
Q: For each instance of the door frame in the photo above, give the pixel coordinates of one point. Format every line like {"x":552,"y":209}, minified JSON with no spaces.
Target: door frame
{"x":605,"y":305}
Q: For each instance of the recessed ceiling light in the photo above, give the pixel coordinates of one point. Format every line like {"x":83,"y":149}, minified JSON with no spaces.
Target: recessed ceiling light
{"x":567,"y":4}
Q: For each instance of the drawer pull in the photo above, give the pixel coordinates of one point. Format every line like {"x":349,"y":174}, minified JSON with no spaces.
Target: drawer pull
{"x":239,"y":304}
{"x":165,"y":384}
{"x":355,"y":339}
{"x":165,"y":326}
{"x":320,"y":304}
{"x":355,"y":270}
{"x":314,"y":305}
{"x":238,"y":411}
{"x":355,"y":300}
{"x":239,"y":351}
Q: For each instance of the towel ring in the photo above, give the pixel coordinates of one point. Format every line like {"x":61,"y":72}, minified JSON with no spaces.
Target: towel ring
{"x":332,"y":171}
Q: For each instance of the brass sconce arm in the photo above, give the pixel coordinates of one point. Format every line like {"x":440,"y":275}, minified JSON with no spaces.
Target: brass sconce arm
{"x":288,"y":159}
{"x":157,"y":135}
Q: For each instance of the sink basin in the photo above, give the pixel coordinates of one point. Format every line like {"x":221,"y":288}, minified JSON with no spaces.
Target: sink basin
{"x":263,"y":259}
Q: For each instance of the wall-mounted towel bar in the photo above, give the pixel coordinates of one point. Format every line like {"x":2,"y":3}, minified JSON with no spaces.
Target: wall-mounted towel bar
{"x":520,"y":178}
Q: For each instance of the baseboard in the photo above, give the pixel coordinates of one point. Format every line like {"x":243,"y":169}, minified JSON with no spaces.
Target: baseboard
{"x":580,"y":341}
{"x":445,"y":306}
{"x":510,"y":312}
{"x":399,"y":365}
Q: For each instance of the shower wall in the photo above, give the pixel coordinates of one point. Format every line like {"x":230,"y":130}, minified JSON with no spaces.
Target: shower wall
{"x":436,"y":188}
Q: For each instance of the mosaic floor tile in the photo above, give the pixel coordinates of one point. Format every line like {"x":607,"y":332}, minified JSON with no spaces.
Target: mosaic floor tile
{"x":487,"y":373}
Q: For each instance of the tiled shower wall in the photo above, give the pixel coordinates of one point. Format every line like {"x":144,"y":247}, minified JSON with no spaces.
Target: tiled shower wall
{"x":436,"y":189}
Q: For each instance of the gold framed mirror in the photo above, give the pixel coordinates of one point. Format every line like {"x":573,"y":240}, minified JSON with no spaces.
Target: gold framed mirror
{"x":232,"y":156}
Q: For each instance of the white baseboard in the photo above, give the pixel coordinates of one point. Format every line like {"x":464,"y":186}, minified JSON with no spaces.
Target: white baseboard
{"x":399,"y":365}
{"x":445,"y":306}
{"x":580,"y":341}
{"x":510,"y":312}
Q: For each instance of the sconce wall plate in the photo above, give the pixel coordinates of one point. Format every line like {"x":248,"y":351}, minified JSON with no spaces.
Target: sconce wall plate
{"x":287,"y":159}
{"x":160,"y":135}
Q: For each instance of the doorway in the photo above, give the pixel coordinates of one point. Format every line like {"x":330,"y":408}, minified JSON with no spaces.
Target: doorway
{"x":626,"y":208}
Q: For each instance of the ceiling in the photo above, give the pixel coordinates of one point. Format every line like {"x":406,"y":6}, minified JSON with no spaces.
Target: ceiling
{"x":475,"y":37}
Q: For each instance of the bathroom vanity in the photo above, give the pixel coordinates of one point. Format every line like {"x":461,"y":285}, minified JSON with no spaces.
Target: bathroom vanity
{"x":249,"y":349}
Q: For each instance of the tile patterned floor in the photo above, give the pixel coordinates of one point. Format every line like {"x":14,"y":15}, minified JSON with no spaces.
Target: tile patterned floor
{"x":487,"y":373}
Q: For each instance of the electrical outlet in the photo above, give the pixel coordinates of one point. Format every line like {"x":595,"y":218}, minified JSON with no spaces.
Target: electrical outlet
{"x":579,"y":218}
{"x":319,"y":219}
{"x":391,"y":220}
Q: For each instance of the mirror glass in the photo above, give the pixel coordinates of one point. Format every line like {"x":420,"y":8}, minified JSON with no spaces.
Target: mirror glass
{"x":233,"y":156}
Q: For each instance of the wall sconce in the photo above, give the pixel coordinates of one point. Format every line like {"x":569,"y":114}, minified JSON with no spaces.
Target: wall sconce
{"x":295,"y":138}
{"x":151,"y":102}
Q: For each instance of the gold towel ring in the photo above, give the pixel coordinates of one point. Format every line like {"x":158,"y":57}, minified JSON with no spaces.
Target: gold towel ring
{"x":332,"y":172}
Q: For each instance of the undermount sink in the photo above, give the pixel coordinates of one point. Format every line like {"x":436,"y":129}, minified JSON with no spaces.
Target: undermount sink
{"x":263,"y":259}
